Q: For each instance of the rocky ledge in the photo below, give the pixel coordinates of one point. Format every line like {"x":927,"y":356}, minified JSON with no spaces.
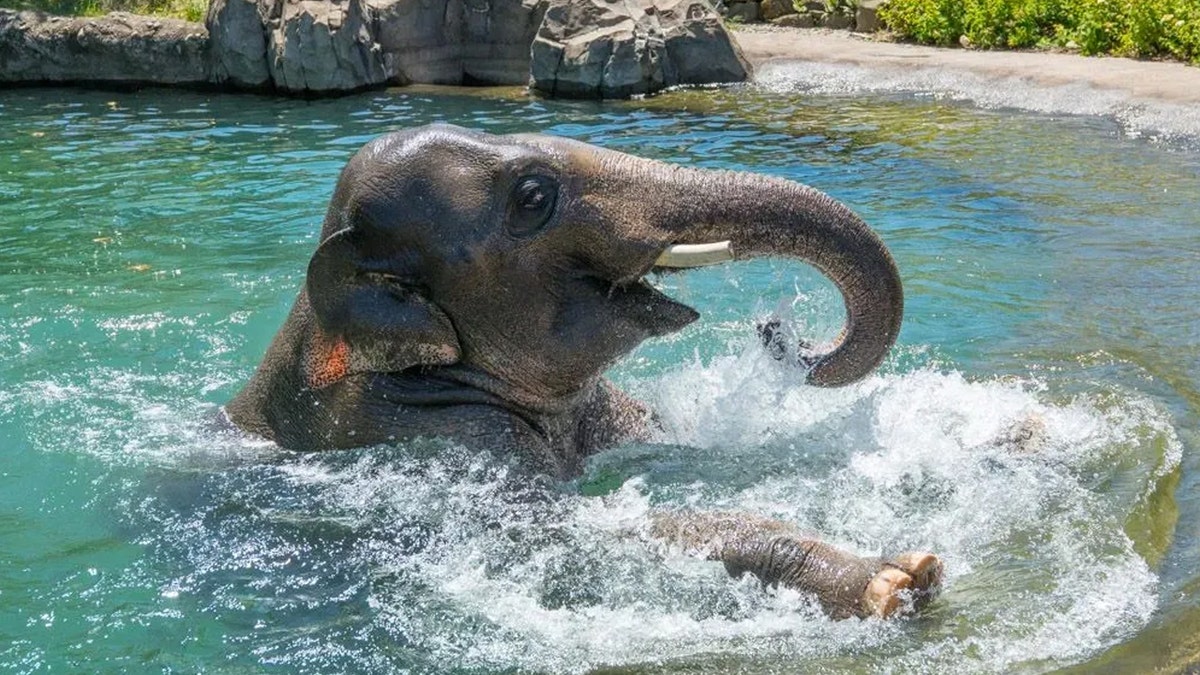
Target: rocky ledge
{"x":571,"y":48}
{"x":119,"y":47}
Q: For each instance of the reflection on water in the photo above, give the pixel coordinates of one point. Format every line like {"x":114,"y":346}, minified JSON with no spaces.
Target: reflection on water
{"x":1032,"y":426}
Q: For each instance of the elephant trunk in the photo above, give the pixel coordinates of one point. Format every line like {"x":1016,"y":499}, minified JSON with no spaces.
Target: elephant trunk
{"x":766,"y":216}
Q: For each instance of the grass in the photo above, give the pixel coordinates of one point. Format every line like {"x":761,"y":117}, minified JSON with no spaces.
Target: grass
{"x":1138,"y":28}
{"x":190,"y":10}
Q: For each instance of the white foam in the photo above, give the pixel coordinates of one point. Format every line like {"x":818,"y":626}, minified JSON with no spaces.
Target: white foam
{"x":1154,"y":120}
{"x":435,"y":547}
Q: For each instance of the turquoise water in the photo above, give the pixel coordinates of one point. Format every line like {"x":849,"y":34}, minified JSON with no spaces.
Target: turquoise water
{"x":151,"y":244}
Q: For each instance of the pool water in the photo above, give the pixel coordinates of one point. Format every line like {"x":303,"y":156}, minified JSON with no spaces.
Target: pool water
{"x":1036,"y":424}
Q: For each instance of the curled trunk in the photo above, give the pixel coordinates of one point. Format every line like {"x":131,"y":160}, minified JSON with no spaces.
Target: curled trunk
{"x":765,"y":216}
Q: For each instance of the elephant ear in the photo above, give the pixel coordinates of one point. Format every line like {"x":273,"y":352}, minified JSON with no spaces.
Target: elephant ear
{"x":365,"y":324}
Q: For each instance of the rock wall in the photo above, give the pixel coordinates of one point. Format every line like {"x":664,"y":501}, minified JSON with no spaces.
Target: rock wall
{"x":238,"y":43}
{"x":605,"y":49}
{"x":320,"y":46}
{"x":458,"y":41}
{"x":581,"y":48}
{"x":120,"y":47}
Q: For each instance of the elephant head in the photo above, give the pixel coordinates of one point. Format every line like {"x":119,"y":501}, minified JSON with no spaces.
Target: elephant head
{"x":516,"y":265}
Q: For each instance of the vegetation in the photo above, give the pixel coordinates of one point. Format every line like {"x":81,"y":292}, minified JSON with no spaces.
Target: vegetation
{"x":1141,"y":28}
{"x":191,"y":10}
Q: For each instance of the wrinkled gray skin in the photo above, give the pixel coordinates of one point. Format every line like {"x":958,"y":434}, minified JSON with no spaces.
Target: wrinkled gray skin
{"x":476,"y":287}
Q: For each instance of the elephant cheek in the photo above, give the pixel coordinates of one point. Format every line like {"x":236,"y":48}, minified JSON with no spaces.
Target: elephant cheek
{"x":327,"y":360}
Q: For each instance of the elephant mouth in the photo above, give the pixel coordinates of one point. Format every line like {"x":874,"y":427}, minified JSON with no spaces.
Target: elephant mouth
{"x":638,"y":300}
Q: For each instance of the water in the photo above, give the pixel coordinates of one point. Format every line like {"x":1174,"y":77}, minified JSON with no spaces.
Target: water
{"x":1036,"y":425}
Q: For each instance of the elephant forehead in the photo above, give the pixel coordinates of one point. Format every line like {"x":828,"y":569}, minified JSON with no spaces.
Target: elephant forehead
{"x":582,"y":158}
{"x":465,"y":188}
{"x":431,"y":187}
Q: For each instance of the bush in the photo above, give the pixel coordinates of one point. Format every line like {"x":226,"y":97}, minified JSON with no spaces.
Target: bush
{"x":937,"y":22}
{"x":1144,"y":28}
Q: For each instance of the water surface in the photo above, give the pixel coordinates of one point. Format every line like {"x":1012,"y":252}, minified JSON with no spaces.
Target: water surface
{"x":151,"y":244}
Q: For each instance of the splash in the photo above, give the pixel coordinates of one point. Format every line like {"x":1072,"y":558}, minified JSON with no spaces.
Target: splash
{"x":434,"y":558}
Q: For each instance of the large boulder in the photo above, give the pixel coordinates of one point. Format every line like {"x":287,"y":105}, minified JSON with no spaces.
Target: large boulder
{"x":117,"y":48}
{"x":238,"y":38}
{"x":621,"y":48}
{"x":867,"y":16}
{"x":496,"y":36}
{"x":745,"y":12}
{"x":318,"y":46}
{"x":321,"y":46}
{"x":457,"y":41}
{"x":770,"y":10}
{"x":420,"y":41}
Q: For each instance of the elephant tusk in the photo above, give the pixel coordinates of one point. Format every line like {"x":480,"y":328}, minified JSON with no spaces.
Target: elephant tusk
{"x":695,"y":255}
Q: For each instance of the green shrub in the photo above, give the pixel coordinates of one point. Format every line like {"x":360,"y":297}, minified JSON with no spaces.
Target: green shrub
{"x":937,"y":22}
{"x":1097,"y":25}
{"x":1126,"y":27}
{"x":1164,"y":27}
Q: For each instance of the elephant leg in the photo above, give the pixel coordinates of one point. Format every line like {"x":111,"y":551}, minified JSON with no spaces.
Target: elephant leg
{"x":844,"y":584}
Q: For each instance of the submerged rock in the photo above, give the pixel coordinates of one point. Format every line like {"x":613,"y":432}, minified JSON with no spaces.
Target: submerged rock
{"x":117,"y":48}
{"x":615,"y":49}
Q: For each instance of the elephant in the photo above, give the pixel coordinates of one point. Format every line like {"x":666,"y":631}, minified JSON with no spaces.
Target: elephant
{"x":476,"y":287}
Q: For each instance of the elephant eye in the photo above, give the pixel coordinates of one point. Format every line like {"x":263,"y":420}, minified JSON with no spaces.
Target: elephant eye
{"x":532,"y":204}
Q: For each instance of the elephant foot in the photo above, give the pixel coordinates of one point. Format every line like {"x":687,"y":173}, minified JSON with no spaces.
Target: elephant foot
{"x":907,"y":582}
{"x":771,"y":335}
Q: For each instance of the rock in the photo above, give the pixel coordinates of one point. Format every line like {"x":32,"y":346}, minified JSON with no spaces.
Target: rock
{"x":746,"y":12}
{"x":116,"y":48}
{"x":838,"y":21}
{"x":320,"y":46}
{"x":621,"y":48}
{"x":591,"y":48}
{"x":496,"y":39}
{"x":457,"y":41}
{"x":804,"y":20}
{"x":773,"y":9}
{"x":816,"y":7}
{"x":315,"y":46}
{"x":866,"y":18}
{"x":238,"y":42}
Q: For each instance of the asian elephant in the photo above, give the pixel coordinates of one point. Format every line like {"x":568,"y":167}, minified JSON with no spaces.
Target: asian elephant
{"x":476,"y":287}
